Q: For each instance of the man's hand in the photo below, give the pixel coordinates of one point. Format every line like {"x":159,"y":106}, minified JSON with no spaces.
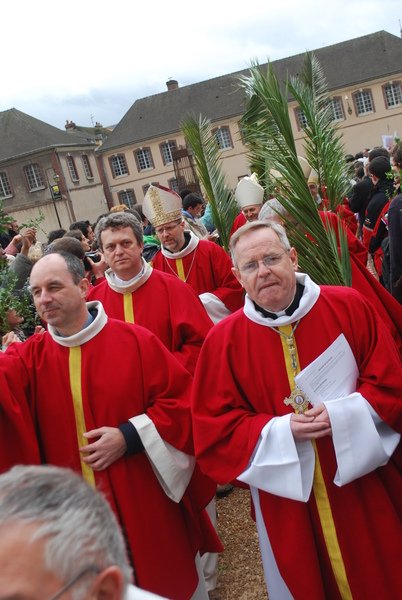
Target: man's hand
{"x":311,"y":425}
{"x":9,"y":338}
{"x":109,"y":446}
{"x":98,"y":268}
{"x":28,"y":238}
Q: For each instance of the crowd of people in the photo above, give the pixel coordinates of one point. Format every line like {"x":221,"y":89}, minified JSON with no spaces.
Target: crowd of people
{"x":159,"y":367}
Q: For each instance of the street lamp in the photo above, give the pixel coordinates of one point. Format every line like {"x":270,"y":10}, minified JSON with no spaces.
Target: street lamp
{"x":56,"y":195}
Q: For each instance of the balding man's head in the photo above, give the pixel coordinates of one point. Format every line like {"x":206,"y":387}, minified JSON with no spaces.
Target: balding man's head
{"x":59,"y":289}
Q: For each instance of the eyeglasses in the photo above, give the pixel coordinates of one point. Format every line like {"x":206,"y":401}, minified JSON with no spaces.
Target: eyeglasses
{"x":92,"y":569}
{"x":166,"y":228}
{"x":268,"y":261}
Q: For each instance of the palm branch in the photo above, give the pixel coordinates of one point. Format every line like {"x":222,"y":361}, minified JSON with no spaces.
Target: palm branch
{"x":209,"y":170}
{"x":323,"y":142}
{"x":267,"y":129}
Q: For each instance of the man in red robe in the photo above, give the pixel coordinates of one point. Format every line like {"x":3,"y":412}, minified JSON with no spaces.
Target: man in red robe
{"x":250,"y":197}
{"x":326,"y":480}
{"x":134,"y":292}
{"x":202,"y":264}
{"x":98,"y":405}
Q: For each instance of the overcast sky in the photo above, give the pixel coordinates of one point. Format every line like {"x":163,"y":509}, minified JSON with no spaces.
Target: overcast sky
{"x":89,"y":60}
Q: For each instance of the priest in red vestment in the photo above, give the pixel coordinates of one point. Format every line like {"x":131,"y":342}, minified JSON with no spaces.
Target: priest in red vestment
{"x":134,"y":292}
{"x":250,"y":197}
{"x":324,"y":467}
{"x":202,"y":264}
{"x":98,"y":405}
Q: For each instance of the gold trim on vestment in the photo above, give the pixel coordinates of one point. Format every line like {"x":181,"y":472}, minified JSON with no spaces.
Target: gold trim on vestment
{"x":74,"y":366}
{"x":320,"y":490}
{"x":128,"y":308}
{"x":180,"y":269}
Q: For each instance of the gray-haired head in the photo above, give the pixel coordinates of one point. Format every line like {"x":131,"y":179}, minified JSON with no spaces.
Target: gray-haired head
{"x":118,"y":220}
{"x":74,"y":520}
{"x":272,"y":209}
{"x":255,"y":225}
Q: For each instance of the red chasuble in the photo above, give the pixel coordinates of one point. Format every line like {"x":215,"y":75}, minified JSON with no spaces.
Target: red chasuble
{"x":165,"y":306}
{"x":206,"y":269}
{"x":234,"y":398}
{"x":122,"y":372}
{"x":364,"y":282}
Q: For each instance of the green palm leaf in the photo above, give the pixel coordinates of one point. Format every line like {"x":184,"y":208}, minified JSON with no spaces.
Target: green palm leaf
{"x":209,"y":170}
{"x":323,"y":144}
{"x":267,"y":129}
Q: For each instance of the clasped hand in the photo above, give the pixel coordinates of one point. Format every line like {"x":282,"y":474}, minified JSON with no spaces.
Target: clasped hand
{"x":311,"y":425}
{"x":109,"y":446}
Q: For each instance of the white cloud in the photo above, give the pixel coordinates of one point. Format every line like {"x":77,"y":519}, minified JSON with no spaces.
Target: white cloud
{"x":96,"y":57}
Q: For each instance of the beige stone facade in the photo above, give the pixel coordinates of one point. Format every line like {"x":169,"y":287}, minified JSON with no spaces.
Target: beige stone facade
{"x":364,"y":81}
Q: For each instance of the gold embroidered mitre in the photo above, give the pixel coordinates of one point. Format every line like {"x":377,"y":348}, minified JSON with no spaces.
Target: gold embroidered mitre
{"x":161,"y":205}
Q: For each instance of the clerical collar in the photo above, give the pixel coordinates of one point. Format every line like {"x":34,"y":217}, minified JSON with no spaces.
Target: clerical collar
{"x":187,"y":239}
{"x":287,"y":311}
{"x":127,"y":287}
{"x":90,"y":330}
{"x":192,"y":242}
{"x":91,"y":317}
{"x":310,"y":296}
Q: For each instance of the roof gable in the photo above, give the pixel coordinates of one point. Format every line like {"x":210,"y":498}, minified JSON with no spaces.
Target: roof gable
{"x":22,"y":134}
{"x":345,"y":64}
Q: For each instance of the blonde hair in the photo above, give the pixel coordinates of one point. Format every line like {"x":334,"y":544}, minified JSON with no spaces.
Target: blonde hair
{"x":119,"y":208}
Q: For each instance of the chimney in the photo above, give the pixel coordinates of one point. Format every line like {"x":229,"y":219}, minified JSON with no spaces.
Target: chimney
{"x":172,"y":84}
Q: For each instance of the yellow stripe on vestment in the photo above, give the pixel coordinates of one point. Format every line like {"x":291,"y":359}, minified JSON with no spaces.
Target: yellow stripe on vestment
{"x":74,"y":365}
{"x":128,"y":308}
{"x":320,"y":492}
{"x":180,"y":269}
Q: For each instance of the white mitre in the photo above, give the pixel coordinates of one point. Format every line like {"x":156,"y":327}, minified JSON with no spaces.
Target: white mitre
{"x":249,"y":191}
{"x":161,"y":205}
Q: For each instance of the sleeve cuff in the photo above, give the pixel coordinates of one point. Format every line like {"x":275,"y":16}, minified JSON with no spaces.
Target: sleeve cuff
{"x":132,"y":438}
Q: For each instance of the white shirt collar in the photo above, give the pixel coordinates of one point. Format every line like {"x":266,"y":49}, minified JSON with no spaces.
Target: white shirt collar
{"x":85,"y":334}
{"x":192,"y":245}
{"x":307,"y":301}
{"x":127,"y":287}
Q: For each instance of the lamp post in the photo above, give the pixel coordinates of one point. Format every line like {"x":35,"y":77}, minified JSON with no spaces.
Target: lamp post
{"x":56,"y":195}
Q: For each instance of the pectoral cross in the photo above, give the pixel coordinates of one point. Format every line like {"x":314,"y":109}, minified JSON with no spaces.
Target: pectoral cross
{"x":298,"y":401}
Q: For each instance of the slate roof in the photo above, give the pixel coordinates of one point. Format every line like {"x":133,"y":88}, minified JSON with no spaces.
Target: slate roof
{"x":345,"y":65}
{"x":21,"y":134}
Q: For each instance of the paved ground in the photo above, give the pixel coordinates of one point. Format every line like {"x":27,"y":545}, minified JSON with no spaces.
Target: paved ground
{"x":240,"y":569}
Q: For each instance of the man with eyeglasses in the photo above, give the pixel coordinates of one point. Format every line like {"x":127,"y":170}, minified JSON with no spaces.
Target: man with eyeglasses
{"x":322,"y":462}
{"x":202,"y":264}
{"x":135,"y":293}
{"x":59,"y":539}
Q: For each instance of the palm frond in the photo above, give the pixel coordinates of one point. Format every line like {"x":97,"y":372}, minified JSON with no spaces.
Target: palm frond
{"x":323,"y":144}
{"x":197,"y":133}
{"x":268,"y":131}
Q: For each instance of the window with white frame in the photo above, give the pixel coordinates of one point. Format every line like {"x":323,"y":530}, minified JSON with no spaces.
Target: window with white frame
{"x":166,"y":151}
{"x":5,"y":187}
{"x":223,"y":138}
{"x":336,"y":108}
{"x":34,"y":177}
{"x":392,"y":94}
{"x":144,"y":160}
{"x":127,"y":197}
{"x":363,"y":102}
{"x":118,"y":165}
{"x":301,"y":118}
{"x":174,"y":185}
{"x":86,"y":165}
{"x":72,"y":169}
